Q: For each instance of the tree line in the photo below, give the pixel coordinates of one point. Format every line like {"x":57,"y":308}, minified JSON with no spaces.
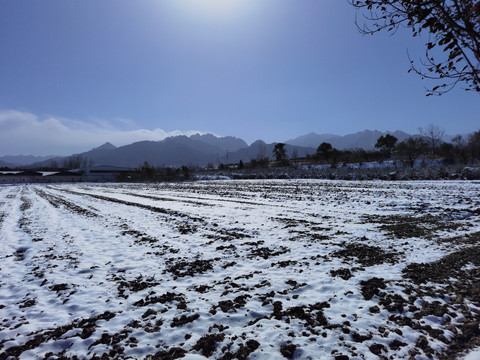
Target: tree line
{"x":428,"y":146}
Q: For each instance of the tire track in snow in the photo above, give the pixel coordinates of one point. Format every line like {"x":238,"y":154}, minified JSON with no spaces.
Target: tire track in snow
{"x":57,"y":201}
{"x":151,"y":208}
{"x":7,"y":194}
{"x":54,"y":276}
{"x":292,"y":297}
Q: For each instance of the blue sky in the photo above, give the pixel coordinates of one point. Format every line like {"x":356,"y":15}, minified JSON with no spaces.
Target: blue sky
{"x":75,"y":74}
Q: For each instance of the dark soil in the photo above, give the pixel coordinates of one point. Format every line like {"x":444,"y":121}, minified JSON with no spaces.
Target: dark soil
{"x":343,"y":273}
{"x":59,"y":287}
{"x":135,"y":285}
{"x":366,"y":255}
{"x":232,"y":305}
{"x":288,"y":350}
{"x":265,"y":252}
{"x":57,"y":201}
{"x":243,"y":352}
{"x":208,"y":343}
{"x":171,"y":354}
{"x":184,"y":319}
{"x":458,"y":284}
{"x":190,"y":268}
{"x":402,"y":227}
{"x":448,"y":267}
{"x":162,"y":299}
{"x":87,"y":325}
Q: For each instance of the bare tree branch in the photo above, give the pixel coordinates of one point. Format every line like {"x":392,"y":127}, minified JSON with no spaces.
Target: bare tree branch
{"x":454,"y":25}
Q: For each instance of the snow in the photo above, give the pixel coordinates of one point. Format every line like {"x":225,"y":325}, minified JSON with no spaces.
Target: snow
{"x":129,"y":270}
{"x":473,"y":355}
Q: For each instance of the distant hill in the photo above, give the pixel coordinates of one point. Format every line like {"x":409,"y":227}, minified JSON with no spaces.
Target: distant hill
{"x":312,"y":139}
{"x":5,"y":164}
{"x":360,"y":140}
{"x":227,"y":143}
{"x":59,"y":161}
{"x":204,"y":149}
{"x":98,"y":152}
{"x":172,"y":151}
{"x":105,"y":147}
{"x":21,"y":160}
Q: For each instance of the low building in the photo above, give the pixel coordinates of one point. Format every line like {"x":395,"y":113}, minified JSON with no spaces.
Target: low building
{"x":102,"y":173}
{"x":33,"y":177}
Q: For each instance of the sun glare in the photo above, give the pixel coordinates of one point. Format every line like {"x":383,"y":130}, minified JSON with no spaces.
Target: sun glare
{"x":217,"y":5}
{"x":213,"y":8}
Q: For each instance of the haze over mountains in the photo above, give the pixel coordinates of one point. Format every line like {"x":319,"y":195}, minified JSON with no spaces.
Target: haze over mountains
{"x":202,"y":150}
{"x":360,"y":140}
{"x":21,"y":160}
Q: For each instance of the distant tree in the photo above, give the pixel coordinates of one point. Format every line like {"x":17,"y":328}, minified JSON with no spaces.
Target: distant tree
{"x":324,"y":150}
{"x":386,"y":143}
{"x":254,"y":163}
{"x":53,"y":164}
{"x":147,"y":170}
{"x":458,"y":140}
{"x":448,"y":153}
{"x":280,"y":153}
{"x":460,"y":148}
{"x":473,"y":146}
{"x":294,"y":154}
{"x":261,"y":151}
{"x":454,"y":25}
{"x":434,"y":135}
{"x":411,"y":149}
{"x":185,"y":172}
{"x":241,"y":165}
{"x":169,"y":174}
{"x":75,"y":162}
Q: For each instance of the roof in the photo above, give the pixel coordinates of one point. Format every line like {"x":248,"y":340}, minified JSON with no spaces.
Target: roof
{"x":65,"y":173}
{"x":30,"y":173}
{"x":104,"y":168}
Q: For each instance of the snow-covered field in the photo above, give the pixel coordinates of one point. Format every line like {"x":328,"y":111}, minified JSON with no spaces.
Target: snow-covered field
{"x":240,"y":269}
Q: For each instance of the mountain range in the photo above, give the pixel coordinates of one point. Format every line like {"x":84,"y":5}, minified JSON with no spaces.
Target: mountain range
{"x":21,"y":160}
{"x":201,"y":150}
{"x":360,"y":140}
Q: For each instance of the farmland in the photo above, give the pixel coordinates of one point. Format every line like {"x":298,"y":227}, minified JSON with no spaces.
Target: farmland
{"x":240,"y":269}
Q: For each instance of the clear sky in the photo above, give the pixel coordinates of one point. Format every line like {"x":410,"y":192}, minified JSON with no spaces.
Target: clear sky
{"x":75,"y":74}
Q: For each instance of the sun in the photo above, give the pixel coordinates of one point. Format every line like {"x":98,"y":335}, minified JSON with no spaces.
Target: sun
{"x":221,"y":6}
{"x":214,"y":8}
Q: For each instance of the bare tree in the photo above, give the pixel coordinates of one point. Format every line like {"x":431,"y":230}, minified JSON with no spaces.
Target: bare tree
{"x":474,"y":145}
{"x":460,"y":147}
{"x":433,"y":133}
{"x":458,"y":140}
{"x":261,"y":151}
{"x":453,"y":25}
{"x":74,"y":162}
{"x":294,"y":154}
{"x":411,"y":149}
